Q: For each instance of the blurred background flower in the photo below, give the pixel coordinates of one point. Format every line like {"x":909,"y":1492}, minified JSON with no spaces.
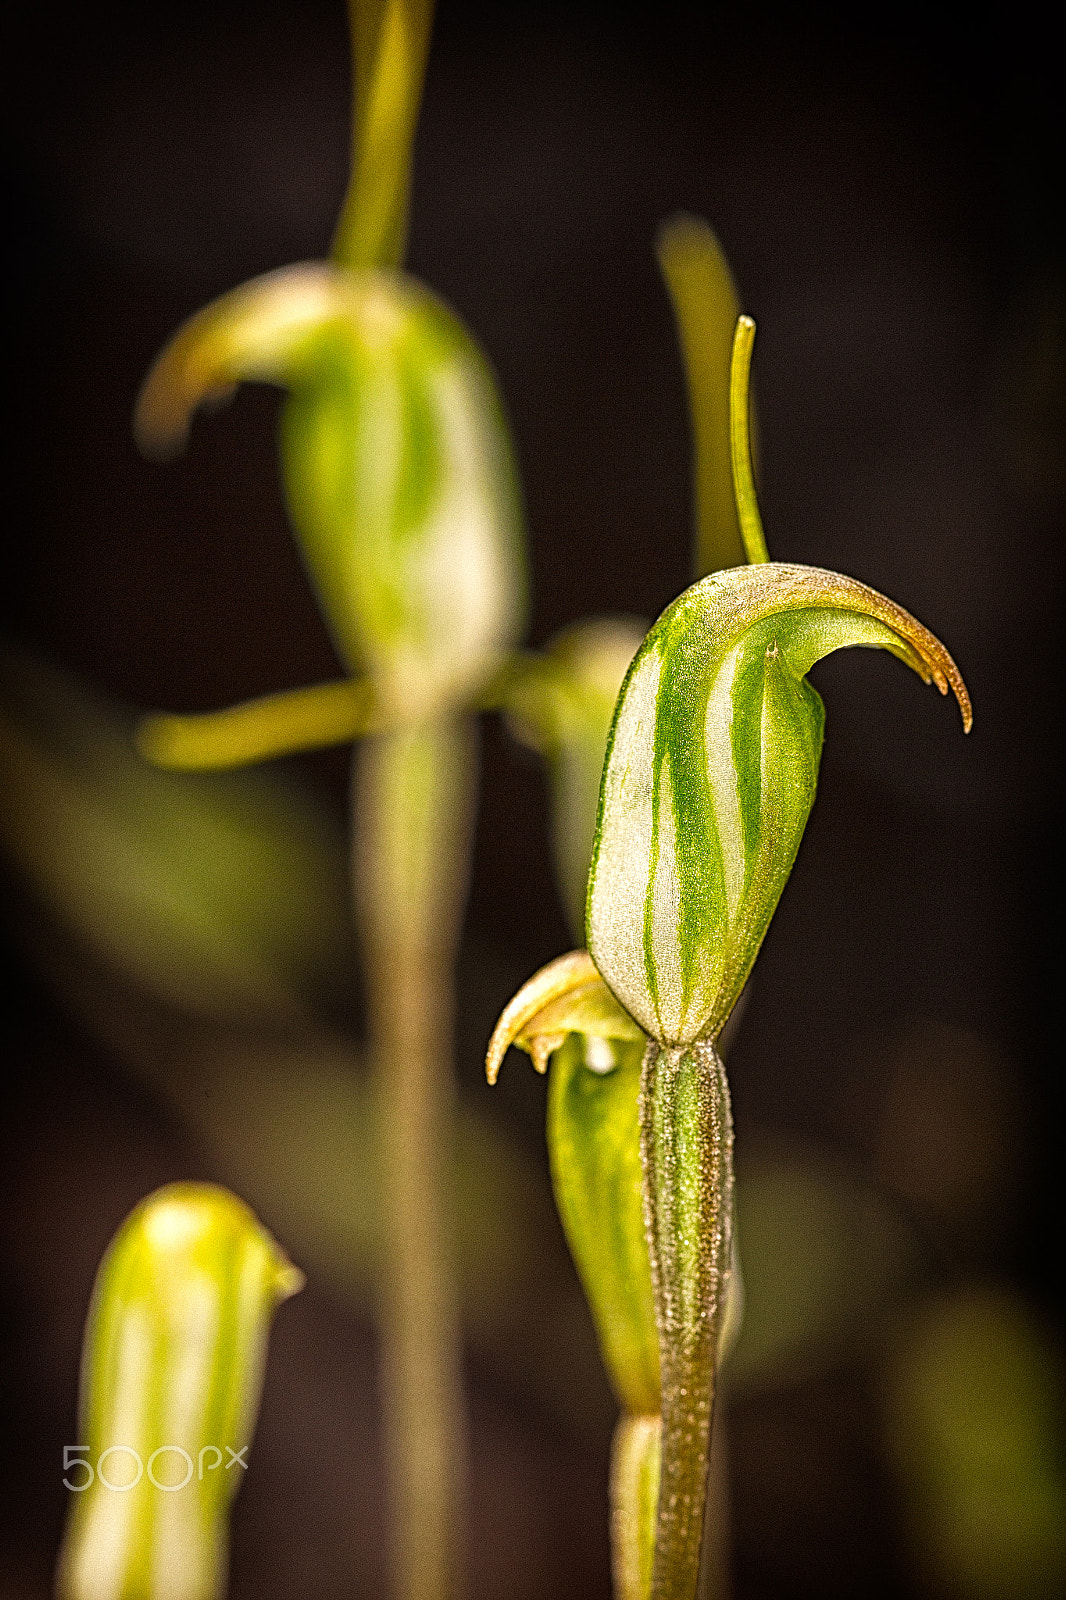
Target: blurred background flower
{"x":884,"y":185}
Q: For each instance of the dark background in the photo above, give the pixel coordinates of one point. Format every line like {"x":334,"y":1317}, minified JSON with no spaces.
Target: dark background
{"x":886,"y":182}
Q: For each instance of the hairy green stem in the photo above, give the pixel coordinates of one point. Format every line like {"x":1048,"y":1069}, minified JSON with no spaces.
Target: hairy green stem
{"x":413,"y":811}
{"x":687,"y":1153}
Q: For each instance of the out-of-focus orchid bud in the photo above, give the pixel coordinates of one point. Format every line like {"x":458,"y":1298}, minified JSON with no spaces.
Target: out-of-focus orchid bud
{"x":397,"y":467}
{"x":561,"y":703}
{"x":172,"y":1371}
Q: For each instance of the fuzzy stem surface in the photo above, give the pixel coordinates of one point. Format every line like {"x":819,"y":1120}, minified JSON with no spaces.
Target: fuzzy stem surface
{"x":687,"y":1156}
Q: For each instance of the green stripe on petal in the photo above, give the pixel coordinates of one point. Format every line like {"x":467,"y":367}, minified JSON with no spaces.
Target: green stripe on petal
{"x":710,"y":776}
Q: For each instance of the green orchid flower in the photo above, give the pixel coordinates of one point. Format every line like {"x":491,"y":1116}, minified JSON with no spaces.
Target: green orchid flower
{"x":709,"y":779}
{"x":396,"y":463}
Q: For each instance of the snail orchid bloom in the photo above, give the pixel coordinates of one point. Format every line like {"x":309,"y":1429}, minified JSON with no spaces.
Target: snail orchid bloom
{"x":710,"y":775}
{"x":712,"y":764}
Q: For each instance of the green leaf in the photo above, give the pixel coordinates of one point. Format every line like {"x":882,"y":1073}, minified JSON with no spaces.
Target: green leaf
{"x":171,"y":1376}
{"x":710,"y":777}
{"x":397,"y":466}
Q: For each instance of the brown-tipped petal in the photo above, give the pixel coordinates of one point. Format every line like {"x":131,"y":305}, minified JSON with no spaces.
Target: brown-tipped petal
{"x":563,"y":976}
{"x":542,"y":1046}
{"x":789,"y":587}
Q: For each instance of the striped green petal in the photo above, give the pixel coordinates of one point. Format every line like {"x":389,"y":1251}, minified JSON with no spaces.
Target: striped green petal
{"x":172,"y":1370}
{"x":710,"y":777}
{"x":397,"y":467}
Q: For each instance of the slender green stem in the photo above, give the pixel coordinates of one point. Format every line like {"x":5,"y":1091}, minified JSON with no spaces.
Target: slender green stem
{"x":390,"y":43}
{"x":740,"y":442}
{"x":705,"y":304}
{"x":687,"y":1152}
{"x":413,"y":810}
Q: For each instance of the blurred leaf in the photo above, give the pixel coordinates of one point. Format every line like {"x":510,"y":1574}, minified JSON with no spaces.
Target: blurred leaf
{"x":976,"y":1428}
{"x":259,"y":730}
{"x":224,"y":895}
{"x":824,"y":1258}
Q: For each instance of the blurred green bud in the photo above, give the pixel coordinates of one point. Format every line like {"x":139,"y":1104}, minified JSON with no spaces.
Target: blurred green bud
{"x":710,"y":777}
{"x":172,"y":1371}
{"x":397,"y":466}
{"x":561,"y":703}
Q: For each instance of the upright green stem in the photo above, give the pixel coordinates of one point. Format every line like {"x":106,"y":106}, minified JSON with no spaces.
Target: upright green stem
{"x":413,"y":814}
{"x":687,"y":1152}
{"x":390,"y":42}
